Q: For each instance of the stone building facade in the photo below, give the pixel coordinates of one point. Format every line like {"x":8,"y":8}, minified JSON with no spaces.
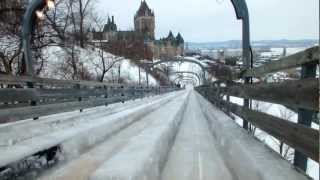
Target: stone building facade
{"x":144,"y":32}
{"x":144,"y":21}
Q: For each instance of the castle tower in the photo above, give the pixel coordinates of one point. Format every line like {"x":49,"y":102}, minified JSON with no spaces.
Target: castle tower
{"x":144,"y":21}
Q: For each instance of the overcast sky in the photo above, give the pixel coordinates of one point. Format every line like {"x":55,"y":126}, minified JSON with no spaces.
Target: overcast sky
{"x":214,"y":20}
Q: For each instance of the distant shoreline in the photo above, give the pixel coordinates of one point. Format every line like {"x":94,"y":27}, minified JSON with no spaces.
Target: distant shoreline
{"x":255,"y":44}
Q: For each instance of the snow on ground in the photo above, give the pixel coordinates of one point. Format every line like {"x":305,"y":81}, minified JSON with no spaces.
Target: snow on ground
{"x":91,"y":59}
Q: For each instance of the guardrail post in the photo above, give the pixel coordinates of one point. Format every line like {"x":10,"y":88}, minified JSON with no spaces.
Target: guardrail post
{"x":246,"y":104}
{"x":122,"y":94}
{"x":305,"y":116}
{"x":228,"y":99}
{"x":106,"y":94}
{"x":147,"y":78}
{"x":32,"y":103}
{"x":78,"y":86}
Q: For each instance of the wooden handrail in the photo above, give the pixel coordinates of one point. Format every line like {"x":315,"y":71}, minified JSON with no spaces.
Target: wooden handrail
{"x":300,"y":137}
{"x":293,"y":93}
{"x":310,"y":55}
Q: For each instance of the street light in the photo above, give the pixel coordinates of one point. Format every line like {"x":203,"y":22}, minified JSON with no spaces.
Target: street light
{"x":34,"y":10}
{"x":242,"y":13}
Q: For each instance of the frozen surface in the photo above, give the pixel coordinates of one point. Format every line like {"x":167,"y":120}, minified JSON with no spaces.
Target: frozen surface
{"x":247,"y":157}
{"x":81,"y":168}
{"x":194,"y":150}
{"x":13,"y":133}
{"x":147,"y":151}
{"x":79,"y":136}
{"x":177,"y":136}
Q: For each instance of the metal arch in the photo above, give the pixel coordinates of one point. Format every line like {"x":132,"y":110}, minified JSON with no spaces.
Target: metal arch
{"x":29,"y":20}
{"x":181,"y":77}
{"x":203,"y":68}
{"x":188,"y":72}
{"x":193,"y":81}
{"x":186,"y":77}
{"x":242,"y":13}
{"x":179,"y":60}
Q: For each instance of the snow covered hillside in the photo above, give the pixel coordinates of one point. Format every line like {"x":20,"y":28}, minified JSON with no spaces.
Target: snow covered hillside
{"x":91,"y":59}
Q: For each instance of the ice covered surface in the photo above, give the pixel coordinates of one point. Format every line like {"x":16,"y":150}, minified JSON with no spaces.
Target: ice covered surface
{"x":11,"y":133}
{"x":247,"y":157}
{"x":82,"y":167}
{"x":78,"y":137}
{"x":139,"y":143}
{"x":147,"y":151}
{"x":194,"y":155}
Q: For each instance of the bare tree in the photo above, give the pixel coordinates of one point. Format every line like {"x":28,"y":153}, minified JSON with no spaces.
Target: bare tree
{"x":106,"y":62}
{"x":10,"y":51}
{"x":81,"y":11}
{"x":10,"y":28}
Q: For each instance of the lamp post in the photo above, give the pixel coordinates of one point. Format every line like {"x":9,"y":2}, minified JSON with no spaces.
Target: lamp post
{"x":242,"y":13}
{"x":34,"y":10}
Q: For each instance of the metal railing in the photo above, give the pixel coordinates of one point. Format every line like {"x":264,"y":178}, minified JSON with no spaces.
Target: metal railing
{"x":28,"y":97}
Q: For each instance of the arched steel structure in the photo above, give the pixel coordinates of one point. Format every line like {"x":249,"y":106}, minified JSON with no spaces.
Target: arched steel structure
{"x":203,"y":68}
{"x":242,"y":13}
{"x":188,"y":72}
{"x":188,"y":80}
{"x":189,"y":77}
{"x":28,"y":25}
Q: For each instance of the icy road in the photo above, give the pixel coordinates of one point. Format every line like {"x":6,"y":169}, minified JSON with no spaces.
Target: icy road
{"x":177,"y":136}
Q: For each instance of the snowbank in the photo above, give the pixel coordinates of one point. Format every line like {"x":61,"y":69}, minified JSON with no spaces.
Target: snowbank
{"x":91,"y":59}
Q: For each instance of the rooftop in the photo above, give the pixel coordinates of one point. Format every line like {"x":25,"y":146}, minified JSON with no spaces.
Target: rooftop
{"x":144,"y":10}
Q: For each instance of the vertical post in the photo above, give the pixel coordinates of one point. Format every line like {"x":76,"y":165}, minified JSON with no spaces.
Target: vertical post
{"x":106,"y":94}
{"x":204,"y":78}
{"x":242,"y":13}
{"x":147,"y":78}
{"x":119,"y":73}
{"x":247,"y":56}
{"x":139,"y":76}
{"x":304,"y":116}
{"x":33,"y":102}
{"x":246,"y":104}
{"x":78,"y":86}
{"x":228,"y":99}
{"x":122,"y":94}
